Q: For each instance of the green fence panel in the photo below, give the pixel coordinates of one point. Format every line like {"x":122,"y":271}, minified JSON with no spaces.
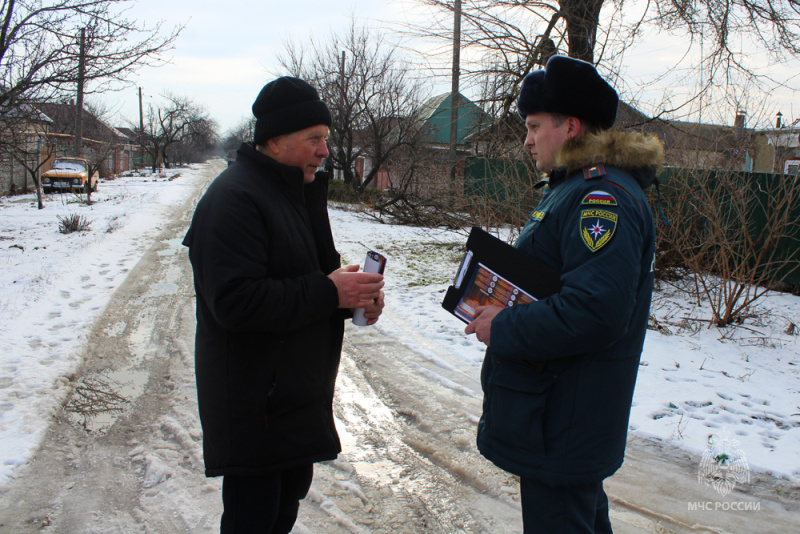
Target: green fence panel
{"x":762,"y":189}
{"x":503,"y":186}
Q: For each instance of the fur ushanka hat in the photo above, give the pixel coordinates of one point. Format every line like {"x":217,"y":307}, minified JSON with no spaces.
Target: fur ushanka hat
{"x":570,"y":87}
{"x":286,"y":105}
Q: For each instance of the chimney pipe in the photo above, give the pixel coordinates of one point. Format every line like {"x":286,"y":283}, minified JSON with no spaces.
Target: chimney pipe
{"x":778,"y":120}
{"x":738,"y":124}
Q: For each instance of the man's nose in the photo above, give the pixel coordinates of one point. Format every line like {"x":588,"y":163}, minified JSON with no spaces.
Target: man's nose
{"x":322,"y":150}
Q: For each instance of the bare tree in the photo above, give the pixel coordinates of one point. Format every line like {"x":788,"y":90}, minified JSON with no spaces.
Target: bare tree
{"x":177,"y":120}
{"x":39,"y":47}
{"x":195,"y":147}
{"x":241,"y":133}
{"x":372,"y":99}
{"x":40,"y":54}
{"x":507,"y":38}
{"x":28,"y":144}
{"x":103,"y":140}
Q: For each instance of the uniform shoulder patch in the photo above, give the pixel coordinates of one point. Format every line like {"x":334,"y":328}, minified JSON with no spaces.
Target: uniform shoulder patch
{"x":597,"y":227}
{"x":599,"y":198}
{"x":537,"y":215}
{"x":595,"y":171}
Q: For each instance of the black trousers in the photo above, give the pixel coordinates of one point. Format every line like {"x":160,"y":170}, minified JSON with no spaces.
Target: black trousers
{"x":574,"y":509}
{"x":265,"y":504}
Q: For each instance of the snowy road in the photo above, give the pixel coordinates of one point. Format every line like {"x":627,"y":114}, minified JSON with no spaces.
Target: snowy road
{"x":406,"y":413}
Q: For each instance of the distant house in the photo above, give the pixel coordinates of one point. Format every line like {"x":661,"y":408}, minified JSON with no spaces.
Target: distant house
{"x":98,"y":138}
{"x":138,"y":153}
{"x":694,"y":145}
{"x":686,"y":144}
{"x":722,"y":147}
{"x":364,"y":163}
{"x":436,"y":114}
{"x":24,"y":139}
{"x":434,"y":119}
{"x":777,"y":150}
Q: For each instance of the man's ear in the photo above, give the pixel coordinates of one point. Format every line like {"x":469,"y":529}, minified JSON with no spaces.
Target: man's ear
{"x":274,"y":144}
{"x":573,"y":127}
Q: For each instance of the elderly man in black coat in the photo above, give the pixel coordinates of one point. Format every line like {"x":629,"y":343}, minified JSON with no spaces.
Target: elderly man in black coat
{"x":271,"y":302}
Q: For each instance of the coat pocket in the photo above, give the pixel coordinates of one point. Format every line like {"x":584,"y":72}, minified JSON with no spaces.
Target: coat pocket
{"x":516,"y":406}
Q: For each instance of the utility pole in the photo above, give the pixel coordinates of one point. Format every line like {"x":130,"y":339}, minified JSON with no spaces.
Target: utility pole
{"x":141,"y":130}
{"x":78,"y":143}
{"x":454,"y":95}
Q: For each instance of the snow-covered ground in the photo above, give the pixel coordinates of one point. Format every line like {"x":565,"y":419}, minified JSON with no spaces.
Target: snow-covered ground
{"x":739,"y":385}
{"x":53,"y":285}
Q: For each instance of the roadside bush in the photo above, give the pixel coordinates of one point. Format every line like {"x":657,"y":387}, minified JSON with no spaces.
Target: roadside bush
{"x":73,"y":223}
{"x":735,"y":233}
{"x":338,"y":191}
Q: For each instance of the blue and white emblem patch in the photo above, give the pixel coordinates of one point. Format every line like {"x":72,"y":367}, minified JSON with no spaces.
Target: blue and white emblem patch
{"x":597,"y":228}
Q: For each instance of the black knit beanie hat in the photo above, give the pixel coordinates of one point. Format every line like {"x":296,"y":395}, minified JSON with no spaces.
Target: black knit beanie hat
{"x":570,"y":87}
{"x":286,"y":105}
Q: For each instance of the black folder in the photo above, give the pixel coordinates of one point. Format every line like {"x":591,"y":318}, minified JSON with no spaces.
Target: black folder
{"x":494,"y":272}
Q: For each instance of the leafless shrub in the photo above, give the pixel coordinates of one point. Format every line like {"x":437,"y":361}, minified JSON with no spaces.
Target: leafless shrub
{"x":422,"y":193}
{"x":480,"y":205}
{"x":113,"y":225}
{"x":653,"y":323}
{"x":73,"y":223}
{"x":411,"y":210}
{"x":735,"y":233}
{"x":503,"y":197}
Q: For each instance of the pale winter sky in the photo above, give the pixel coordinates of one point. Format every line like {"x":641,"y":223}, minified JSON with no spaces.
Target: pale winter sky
{"x":228,"y":50}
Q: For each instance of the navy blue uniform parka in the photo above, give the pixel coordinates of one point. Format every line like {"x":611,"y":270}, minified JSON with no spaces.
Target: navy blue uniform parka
{"x":269,"y":334}
{"x":559,"y":376}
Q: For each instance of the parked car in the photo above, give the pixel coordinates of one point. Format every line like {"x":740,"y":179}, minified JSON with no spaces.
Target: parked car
{"x":68,"y":174}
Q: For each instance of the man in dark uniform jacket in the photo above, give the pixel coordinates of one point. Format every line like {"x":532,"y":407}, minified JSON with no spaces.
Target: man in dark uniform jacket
{"x":559,"y":373}
{"x":271,"y":302}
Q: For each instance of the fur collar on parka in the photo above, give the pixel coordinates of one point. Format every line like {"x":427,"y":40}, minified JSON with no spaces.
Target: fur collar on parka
{"x":625,"y":150}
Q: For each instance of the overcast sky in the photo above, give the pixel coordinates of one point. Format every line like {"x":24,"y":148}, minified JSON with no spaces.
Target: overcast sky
{"x":227,"y":52}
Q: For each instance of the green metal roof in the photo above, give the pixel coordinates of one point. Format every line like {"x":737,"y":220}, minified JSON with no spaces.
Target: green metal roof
{"x":436,"y":114}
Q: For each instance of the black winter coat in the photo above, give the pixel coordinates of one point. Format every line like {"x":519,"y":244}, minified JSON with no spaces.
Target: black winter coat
{"x":269,"y":334}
